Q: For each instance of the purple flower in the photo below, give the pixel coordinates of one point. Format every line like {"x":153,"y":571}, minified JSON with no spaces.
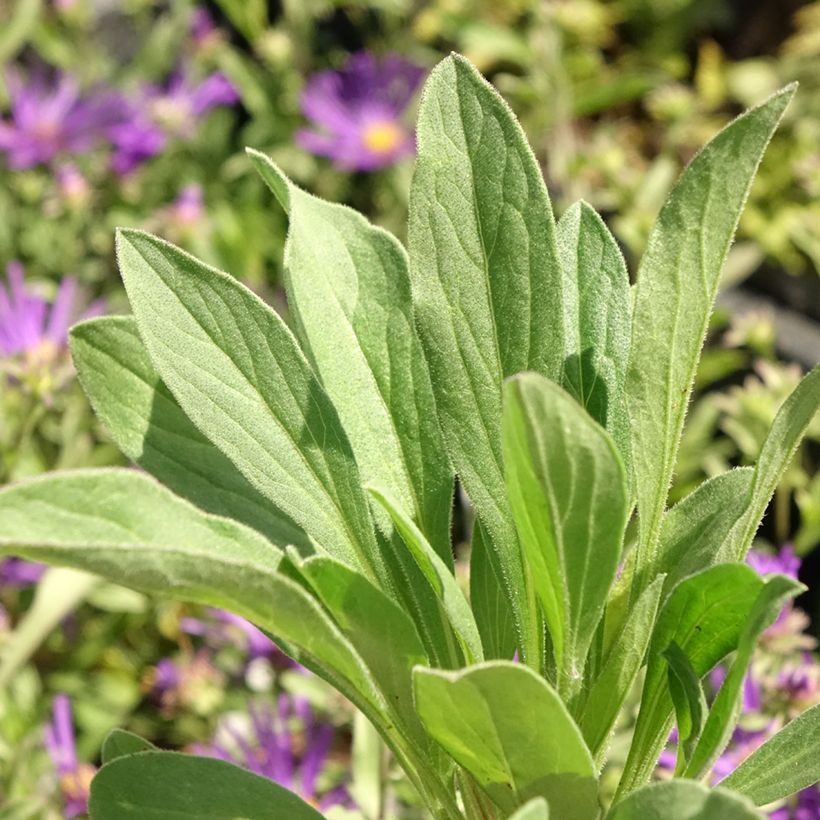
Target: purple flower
{"x":159,"y":114}
{"x":190,"y":681}
{"x":17,"y":572}
{"x":29,"y":325}
{"x":805,"y":805}
{"x":358,"y":112}
{"x":227,"y":628}
{"x":75,"y":777}
{"x":49,"y":120}
{"x":203,"y":28}
{"x":294,"y":756}
{"x":784,"y":562}
{"x":73,"y":186}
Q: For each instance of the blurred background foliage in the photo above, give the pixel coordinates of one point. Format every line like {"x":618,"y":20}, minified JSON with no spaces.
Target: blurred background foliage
{"x":615,"y":96}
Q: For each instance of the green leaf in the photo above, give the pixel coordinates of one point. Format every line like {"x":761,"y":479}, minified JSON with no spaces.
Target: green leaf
{"x":124,"y":526}
{"x":350,"y":297}
{"x":174,"y":786}
{"x":489,"y":601}
{"x":506,"y":726}
{"x":689,"y":701}
{"x":239,"y":375}
{"x":486,"y":290}
{"x":150,"y":427}
{"x":438,"y":575}
{"x":598,"y":321}
{"x":535,"y":809}
{"x":785,"y":764}
{"x":694,"y":530}
{"x":725,"y":710}
{"x":785,"y":435}
{"x":704,"y":616}
{"x":684,"y":800}
{"x":119,"y":743}
{"x":619,"y":671}
{"x":676,"y":286}
{"x":568,"y":493}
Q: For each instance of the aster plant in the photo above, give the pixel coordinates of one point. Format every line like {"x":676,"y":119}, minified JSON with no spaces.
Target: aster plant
{"x":304,"y":480}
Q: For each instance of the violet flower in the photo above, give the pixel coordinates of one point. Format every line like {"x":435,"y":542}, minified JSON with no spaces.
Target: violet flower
{"x":75,"y":777}
{"x":48,"y":120}
{"x":292,"y":756}
{"x":225,"y":627}
{"x":805,"y":805}
{"x":159,"y":114}
{"x":358,"y":110}
{"x":17,"y":572}
{"x":29,"y":325}
{"x":784,"y":562}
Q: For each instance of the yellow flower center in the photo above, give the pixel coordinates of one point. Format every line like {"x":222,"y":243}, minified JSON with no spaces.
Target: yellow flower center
{"x":382,"y":137}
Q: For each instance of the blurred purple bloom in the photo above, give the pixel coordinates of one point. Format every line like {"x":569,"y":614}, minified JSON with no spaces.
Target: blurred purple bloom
{"x":751,"y":701}
{"x":189,"y":681}
{"x":187,"y":207}
{"x":75,"y":777}
{"x":158,"y":114}
{"x":227,"y":628}
{"x":358,"y":112}
{"x":293,"y":759}
{"x":48,"y":120}
{"x":805,"y":805}
{"x":784,"y":562}
{"x":73,"y":186}
{"x":28,"y":324}
{"x":17,"y":572}
{"x":202,"y":25}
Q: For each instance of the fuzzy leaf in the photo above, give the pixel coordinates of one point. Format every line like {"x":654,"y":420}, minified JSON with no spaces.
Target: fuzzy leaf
{"x":684,"y":800}
{"x":350,"y":297}
{"x":239,"y":375}
{"x":492,"y":719}
{"x":150,"y":427}
{"x":597,"y":321}
{"x":688,"y":699}
{"x":785,"y":764}
{"x":568,"y":493}
{"x":174,"y":786}
{"x":676,"y":286}
{"x":486,"y":289}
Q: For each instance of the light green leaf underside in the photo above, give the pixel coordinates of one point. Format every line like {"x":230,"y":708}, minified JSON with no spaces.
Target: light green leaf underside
{"x":684,"y":800}
{"x":175,"y":786}
{"x":489,"y":600}
{"x":535,"y":809}
{"x":124,"y":526}
{"x":597,"y":321}
{"x":619,"y":670}
{"x":239,"y":375}
{"x":486,"y":288}
{"x":493,"y":719}
{"x":438,"y":575}
{"x":150,"y":428}
{"x":704,"y":616}
{"x":725,"y":710}
{"x":568,"y":493}
{"x":350,"y":297}
{"x":785,"y":764}
{"x":676,"y":286}
{"x":783,"y":438}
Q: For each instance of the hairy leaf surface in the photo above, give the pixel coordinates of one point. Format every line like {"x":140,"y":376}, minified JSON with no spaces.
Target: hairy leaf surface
{"x":684,"y":800}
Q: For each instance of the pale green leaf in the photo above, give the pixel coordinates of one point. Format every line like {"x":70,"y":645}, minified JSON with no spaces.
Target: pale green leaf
{"x":239,"y":375}
{"x":149,"y":426}
{"x":438,"y":575}
{"x":782,"y":440}
{"x":704,"y":616}
{"x":119,"y":743}
{"x":689,"y":701}
{"x":619,"y":670}
{"x":676,"y":286}
{"x":350,"y":297}
{"x":568,"y":493}
{"x":174,"y":786}
{"x":535,"y":809}
{"x":725,"y":710}
{"x":509,"y":729}
{"x":486,"y":289}
{"x":597,"y":320}
{"x":785,"y":764}
{"x":684,"y":800}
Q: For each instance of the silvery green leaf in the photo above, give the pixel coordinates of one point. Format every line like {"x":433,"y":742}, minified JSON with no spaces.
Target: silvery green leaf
{"x":486,"y":289}
{"x":350,"y":297}
{"x":684,"y":800}
{"x":239,"y":375}
{"x":676,"y":286}
{"x":598,"y":321}
{"x":149,"y":426}
{"x":689,"y":701}
{"x":507,"y":726}
{"x":567,"y":488}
